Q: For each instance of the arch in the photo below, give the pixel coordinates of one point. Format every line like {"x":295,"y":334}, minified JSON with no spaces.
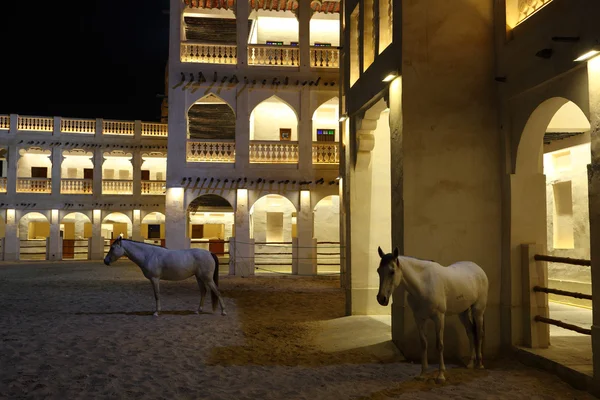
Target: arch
{"x":154,"y":217}
{"x":211,"y":220}
{"x":326,"y":118}
{"x":269,"y":117}
{"x":116,"y":223}
{"x":33,"y":225}
{"x":76,"y":225}
{"x":272,"y":228}
{"x":326,"y":228}
{"x":211,"y":117}
{"x":153,"y":226}
{"x":291,"y":99}
{"x":34,"y":157}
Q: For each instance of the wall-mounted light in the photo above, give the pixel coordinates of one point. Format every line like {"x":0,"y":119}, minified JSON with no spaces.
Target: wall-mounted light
{"x":343,"y":118}
{"x":390,"y":77}
{"x":386,"y":110}
{"x":587,"y":56}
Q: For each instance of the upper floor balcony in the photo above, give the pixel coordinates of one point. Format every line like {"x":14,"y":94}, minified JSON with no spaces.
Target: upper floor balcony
{"x":210,"y":34}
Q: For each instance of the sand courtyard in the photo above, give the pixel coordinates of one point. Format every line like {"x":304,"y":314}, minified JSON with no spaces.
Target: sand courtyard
{"x":82,"y":330}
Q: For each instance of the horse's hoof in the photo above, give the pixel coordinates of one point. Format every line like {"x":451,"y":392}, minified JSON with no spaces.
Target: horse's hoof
{"x":197,"y":312}
{"x":155,"y":314}
{"x":223,"y":313}
{"x":440,"y":379}
{"x":480,"y":366}
{"x":470,"y":365}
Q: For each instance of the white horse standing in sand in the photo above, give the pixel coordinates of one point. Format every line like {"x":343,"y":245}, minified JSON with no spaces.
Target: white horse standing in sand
{"x":171,"y":265}
{"x":435,"y":291}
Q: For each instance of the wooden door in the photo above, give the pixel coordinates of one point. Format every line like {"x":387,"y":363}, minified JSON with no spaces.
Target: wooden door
{"x":68,"y":248}
{"x":88,"y":173}
{"x":39,"y":172}
{"x":217,"y":247}
{"x":145,"y":175}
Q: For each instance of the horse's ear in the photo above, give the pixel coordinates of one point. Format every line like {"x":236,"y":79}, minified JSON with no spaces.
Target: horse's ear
{"x":380,"y":252}
{"x":118,"y":241}
{"x":396,"y":252}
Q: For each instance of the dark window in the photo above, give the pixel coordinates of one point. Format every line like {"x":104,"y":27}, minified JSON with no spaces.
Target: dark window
{"x":39,"y":172}
{"x":325,"y":135}
{"x":88,"y":173}
{"x":197,"y":231}
{"x":153,"y":231}
{"x":145,"y":175}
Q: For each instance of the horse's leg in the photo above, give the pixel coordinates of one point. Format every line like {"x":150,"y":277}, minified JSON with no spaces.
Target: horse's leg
{"x":465,"y":318}
{"x":423,"y":338}
{"x":155,"y":286}
{"x":478,"y":321}
{"x":202,"y":287}
{"x":439,"y":320}
{"x":213,"y":288}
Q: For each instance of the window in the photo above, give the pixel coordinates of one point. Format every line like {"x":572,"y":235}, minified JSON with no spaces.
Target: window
{"x":88,"y":173}
{"x":386,"y":24}
{"x":145,"y":175}
{"x":325,"y":135}
{"x":154,"y":231}
{"x":368,"y":35}
{"x":39,"y":172}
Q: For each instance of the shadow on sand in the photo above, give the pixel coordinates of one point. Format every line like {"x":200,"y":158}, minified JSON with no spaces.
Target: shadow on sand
{"x":145,"y":313}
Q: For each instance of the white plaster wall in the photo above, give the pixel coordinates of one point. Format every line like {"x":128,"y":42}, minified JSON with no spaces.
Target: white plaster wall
{"x":26,"y":161}
{"x":326,"y":117}
{"x":324,"y":30}
{"x":258,"y":216}
{"x":116,"y":217}
{"x":283,"y":27}
{"x":117,"y":164}
{"x":268,"y":117}
{"x":77,"y":162}
{"x":327,"y":220}
{"x":201,"y":218}
{"x":156,"y":165}
{"x":26,"y":220}
{"x":569,"y":118}
{"x":79,"y":220}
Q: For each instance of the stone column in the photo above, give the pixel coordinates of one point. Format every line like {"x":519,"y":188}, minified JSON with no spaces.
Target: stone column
{"x":97,"y":184}
{"x":11,"y":173}
{"x":305,"y":134}
{"x":307,"y":247}
{"x":176,"y":219}
{"x":244,"y":246}
{"x":242,"y":133}
{"x":56,"y":159}
{"x":97,"y":246}
{"x":11,"y":240}
{"x":137,"y":174}
{"x":304,"y":15}
{"x":137,"y":226}
{"x":54,"y":240}
{"x":242,"y":12}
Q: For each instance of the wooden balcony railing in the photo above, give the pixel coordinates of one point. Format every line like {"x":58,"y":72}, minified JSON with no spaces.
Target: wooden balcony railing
{"x":36,"y":124}
{"x":3,"y":183}
{"x":264,"y":151}
{"x":4,"y":122}
{"x":207,"y":151}
{"x":153,"y":187}
{"x":325,"y":153}
{"x":284,"y":56}
{"x":118,"y":127}
{"x":324,"y":57}
{"x":155,"y":129}
{"x":115,"y":186}
{"x":34,"y":185}
{"x":76,"y":186}
{"x":69,"y":125}
{"x":208,"y":53}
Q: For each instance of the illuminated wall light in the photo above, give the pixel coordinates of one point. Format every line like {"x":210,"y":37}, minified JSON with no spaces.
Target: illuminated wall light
{"x":10,"y":216}
{"x":54,"y":216}
{"x":390,"y":77}
{"x":343,"y":118}
{"x":590,"y":54}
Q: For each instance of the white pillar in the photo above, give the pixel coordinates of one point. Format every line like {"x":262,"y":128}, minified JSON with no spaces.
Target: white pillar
{"x":242,"y":135}
{"x":304,"y":15}
{"x":11,"y":173}
{"x":97,"y":173}
{"x":97,"y":245}
{"x":11,"y":240}
{"x":56,"y":159}
{"x":137,"y":173}
{"x":137,"y":226}
{"x":305,"y":135}
{"x":176,"y":219}
{"x":307,"y":248}
{"x":242,"y":12}
{"x":54,"y":242}
{"x":244,"y":246}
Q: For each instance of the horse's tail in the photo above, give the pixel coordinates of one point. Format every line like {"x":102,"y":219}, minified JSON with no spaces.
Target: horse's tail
{"x":216,"y":273}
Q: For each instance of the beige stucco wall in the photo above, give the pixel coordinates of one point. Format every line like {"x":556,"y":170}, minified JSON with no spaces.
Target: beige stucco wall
{"x":26,"y":161}
{"x":78,"y":163}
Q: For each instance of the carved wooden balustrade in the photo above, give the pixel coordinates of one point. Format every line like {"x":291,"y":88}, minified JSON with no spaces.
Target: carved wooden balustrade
{"x":37,"y":124}
{"x":34,"y":185}
{"x":325,"y":153}
{"x":155,"y":129}
{"x":4,"y":121}
{"x":153,"y":187}
{"x":208,"y":53}
{"x":264,"y":151}
{"x":286,"y":56}
{"x":530,"y":7}
{"x":118,"y":127}
{"x":76,"y":186}
{"x":115,"y":186}
{"x":209,"y":151}
{"x":324,"y":57}
{"x":3,"y":183}
{"x":77,"y":125}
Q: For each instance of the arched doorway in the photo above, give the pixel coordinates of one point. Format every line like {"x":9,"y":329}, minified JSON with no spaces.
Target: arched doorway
{"x":75,"y":229}
{"x":33,"y":230}
{"x":272,"y":226}
{"x":114,"y":225}
{"x":549,"y":200}
{"x":326,"y":230}
{"x":211,"y":224}
{"x":153,"y":228}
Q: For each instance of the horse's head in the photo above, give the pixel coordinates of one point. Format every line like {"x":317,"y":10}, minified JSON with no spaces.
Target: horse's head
{"x":390,"y":275}
{"x":116,"y":251}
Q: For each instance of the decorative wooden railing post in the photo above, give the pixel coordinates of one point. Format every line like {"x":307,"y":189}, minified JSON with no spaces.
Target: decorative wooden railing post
{"x":534,"y":273}
{"x":137,"y":130}
{"x":57,"y":124}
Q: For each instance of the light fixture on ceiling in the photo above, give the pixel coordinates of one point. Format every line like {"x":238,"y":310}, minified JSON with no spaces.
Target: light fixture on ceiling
{"x":390,"y":77}
{"x":587,"y":56}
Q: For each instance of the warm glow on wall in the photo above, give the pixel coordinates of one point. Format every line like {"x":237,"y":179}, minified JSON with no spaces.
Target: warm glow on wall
{"x":587,"y":56}
{"x":54,"y":216}
{"x":390,"y":77}
{"x":97,"y":215}
{"x":10,"y":216}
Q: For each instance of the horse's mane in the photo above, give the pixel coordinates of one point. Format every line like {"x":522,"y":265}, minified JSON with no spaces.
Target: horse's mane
{"x":147,"y":244}
{"x":419,"y":259}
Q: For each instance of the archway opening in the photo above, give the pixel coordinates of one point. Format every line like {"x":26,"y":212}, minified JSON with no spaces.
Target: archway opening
{"x":211,"y":224}
{"x":153,"y":228}
{"x":33,"y":230}
{"x":326,"y":228}
{"x":273,"y":120}
{"x":273,"y":226}
{"x":115,"y":225}
{"x":75,"y":230}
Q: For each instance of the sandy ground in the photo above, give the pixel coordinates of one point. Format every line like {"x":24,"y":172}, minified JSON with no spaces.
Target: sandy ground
{"x":85,"y":331}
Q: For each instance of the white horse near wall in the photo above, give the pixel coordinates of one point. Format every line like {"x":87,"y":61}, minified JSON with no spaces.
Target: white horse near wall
{"x":159,"y":263}
{"x":435,"y":291}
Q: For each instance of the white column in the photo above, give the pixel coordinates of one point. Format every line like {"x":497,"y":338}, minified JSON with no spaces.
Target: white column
{"x":244,"y":246}
{"x":304,"y":15}
{"x":137,"y":173}
{"x":11,"y":173}
{"x":307,"y":251}
{"x":54,"y":242}
{"x":242,"y":12}
{"x":137,"y":130}
{"x":242,"y":133}
{"x":97,"y":252}
{"x":305,"y":135}
{"x":176,"y":223}
{"x":97,"y":184}
{"x":11,"y":240}
{"x":137,"y":226}
{"x":56,"y":159}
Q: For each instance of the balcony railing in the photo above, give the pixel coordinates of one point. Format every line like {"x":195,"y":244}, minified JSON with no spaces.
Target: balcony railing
{"x":325,"y":153}
{"x":205,"y":151}
{"x":3,"y":183}
{"x":118,"y":127}
{"x":4,"y":121}
{"x":208,"y":53}
{"x":34,"y":185}
{"x":36,"y":124}
{"x":153,"y":187}
{"x":324,"y":57}
{"x":530,"y":7}
{"x":285,"y":56}
{"x":114,"y":186}
{"x":273,"y":152}
{"x":76,"y":186}
{"x":155,"y":129}
{"x":68,"y":125}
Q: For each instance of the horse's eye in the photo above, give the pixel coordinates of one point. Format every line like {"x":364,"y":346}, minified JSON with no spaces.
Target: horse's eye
{"x":392,"y":272}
